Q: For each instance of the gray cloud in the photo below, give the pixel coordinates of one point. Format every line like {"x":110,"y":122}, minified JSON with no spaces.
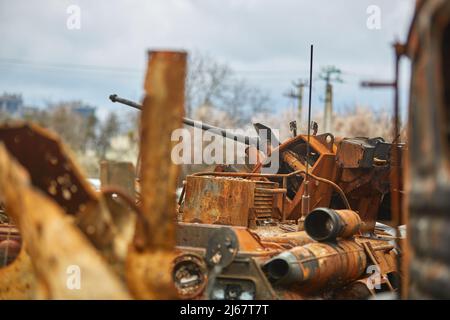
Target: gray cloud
{"x":265,"y":41}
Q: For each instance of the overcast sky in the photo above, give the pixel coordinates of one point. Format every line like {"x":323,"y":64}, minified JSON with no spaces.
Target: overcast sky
{"x":264,"y":41}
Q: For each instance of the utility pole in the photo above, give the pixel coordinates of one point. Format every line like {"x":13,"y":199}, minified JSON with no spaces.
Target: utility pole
{"x":329,"y":74}
{"x":397,"y":213}
{"x":299,"y":85}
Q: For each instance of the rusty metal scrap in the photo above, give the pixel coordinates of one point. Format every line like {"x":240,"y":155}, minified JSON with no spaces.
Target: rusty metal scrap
{"x":224,"y":201}
{"x":10,"y":243}
{"x":234,"y":235}
{"x":362,"y":152}
{"x":49,"y":164}
{"x":84,"y":231}
{"x":190,"y":275}
{"x":289,"y":240}
{"x":427,"y":174}
{"x":163,"y":110}
{"x":334,"y":264}
{"x":194,"y":237}
{"x":149,"y":262}
{"x":228,"y":201}
{"x":58,"y":176}
{"x":18,"y":280}
{"x":293,"y":152}
{"x":118,"y":189}
{"x":357,"y":170}
{"x":51,"y":250}
{"x":93,"y":230}
{"x":242,"y":274}
{"x":336,"y":257}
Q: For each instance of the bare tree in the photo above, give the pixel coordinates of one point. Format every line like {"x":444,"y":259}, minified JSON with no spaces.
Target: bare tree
{"x":74,"y":129}
{"x":206,"y":81}
{"x":108,"y":130}
{"x":212,"y":84}
{"x":259,"y":101}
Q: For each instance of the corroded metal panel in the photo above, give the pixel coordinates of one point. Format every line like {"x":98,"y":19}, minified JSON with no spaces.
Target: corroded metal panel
{"x":53,"y":242}
{"x":149,"y":261}
{"x":218,"y":200}
{"x":162,"y":113}
{"x":428,"y":175}
{"x":49,"y":164}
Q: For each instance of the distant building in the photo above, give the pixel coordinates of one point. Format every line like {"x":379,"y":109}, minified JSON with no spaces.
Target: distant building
{"x":84,"y":111}
{"x":11,"y":104}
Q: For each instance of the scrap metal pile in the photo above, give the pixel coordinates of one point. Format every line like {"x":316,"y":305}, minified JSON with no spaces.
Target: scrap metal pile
{"x":232,"y":235}
{"x":330,"y":252}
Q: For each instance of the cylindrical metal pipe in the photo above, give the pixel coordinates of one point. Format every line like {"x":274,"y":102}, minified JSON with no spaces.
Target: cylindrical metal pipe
{"x":325,"y":224}
{"x":317,"y":265}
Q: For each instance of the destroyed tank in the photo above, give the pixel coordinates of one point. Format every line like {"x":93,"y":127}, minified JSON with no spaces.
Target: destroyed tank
{"x":254,"y":248}
{"x":259,"y":216}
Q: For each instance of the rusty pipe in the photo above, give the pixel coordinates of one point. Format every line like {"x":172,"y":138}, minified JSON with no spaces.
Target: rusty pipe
{"x":272,"y":191}
{"x":317,"y":265}
{"x":325,"y":224}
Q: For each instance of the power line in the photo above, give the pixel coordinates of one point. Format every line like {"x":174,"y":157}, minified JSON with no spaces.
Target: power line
{"x":272,"y":72}
{"x":79,"y":67}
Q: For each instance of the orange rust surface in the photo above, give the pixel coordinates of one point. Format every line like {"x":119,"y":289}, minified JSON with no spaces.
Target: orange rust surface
{"x":162,"y":113}
{"x":289,"y":240}
{"x":149,"y":261}
{"x":49,"y":165}
{"x":217,"y":200}
{"x":326,"y":265}
{"x":320,"y":192}
{"x":17,"y":280}
{"x":324,"y":167}
{"x":351,"y":223}
{"x":53,"y":242}
{"x":248,"y":242}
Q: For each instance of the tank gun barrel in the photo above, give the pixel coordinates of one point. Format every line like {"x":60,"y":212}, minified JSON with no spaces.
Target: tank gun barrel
{"x":254,"y":141}
{"x":116,"y":98}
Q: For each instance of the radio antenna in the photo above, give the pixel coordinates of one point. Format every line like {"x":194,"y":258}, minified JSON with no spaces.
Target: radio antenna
{"x":306,"y":196}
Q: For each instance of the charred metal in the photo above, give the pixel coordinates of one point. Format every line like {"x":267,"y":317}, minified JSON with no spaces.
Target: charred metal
{"x":329,"y":223}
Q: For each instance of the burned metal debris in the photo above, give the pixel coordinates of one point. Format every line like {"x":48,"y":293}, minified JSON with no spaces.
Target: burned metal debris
{"x":428,"y":47}
{"x":235,"y":234}
{"x":238,"y":235}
